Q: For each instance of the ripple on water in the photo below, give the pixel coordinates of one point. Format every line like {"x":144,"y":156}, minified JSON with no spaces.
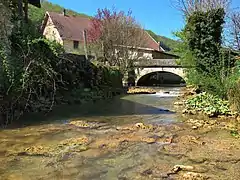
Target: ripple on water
{"x":117,"y":149}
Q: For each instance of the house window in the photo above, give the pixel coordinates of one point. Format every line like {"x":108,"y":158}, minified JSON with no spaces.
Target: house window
{"x":75,"y":44}
{"x":140,"y":54}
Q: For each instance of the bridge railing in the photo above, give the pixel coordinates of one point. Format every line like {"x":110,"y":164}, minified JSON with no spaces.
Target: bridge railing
{"x":157,"y":63}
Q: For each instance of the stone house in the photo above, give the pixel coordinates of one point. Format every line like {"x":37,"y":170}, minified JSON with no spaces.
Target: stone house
{"x":68,"y":31}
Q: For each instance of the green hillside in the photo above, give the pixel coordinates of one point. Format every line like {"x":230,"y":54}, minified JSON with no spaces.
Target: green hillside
{"x":172,"y":44}
{"x":36,"y":14}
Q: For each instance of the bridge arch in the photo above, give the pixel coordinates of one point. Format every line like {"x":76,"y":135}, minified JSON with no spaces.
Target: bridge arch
{"x":177,"y":73}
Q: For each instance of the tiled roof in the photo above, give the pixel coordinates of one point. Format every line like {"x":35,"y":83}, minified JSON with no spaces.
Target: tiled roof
{"x":150,"y":42}
{"x":71,"y":28}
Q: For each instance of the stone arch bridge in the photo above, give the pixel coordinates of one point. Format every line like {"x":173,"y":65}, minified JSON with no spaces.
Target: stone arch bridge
{"x":146,"y":67}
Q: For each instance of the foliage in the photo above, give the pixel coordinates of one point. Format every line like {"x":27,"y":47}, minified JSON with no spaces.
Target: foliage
{"x":209,"y":104}
{"x":170,"y":43}
{"x":182,"y":49}
{"x":234,"y":133}
{"x":203,"y":33}
{"x":211,"y":65}
{"x":112,"y":47}
{"x":39,"y":75}
{"x":214,"y":69}
{"x":36,"y":74}
{"x":234,"y":88}
{"x":29,"y":73}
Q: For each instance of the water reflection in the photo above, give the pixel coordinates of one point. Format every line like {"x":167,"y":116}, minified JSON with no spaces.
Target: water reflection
{"x":158,"y":105}
{"x":128,"y":150}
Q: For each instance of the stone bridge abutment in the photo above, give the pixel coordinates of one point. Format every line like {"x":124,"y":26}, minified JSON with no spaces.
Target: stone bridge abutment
{"x":163,"y":70}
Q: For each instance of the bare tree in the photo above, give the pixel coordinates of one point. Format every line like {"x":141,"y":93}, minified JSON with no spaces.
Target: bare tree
{"x":116,"y":38}
{"x":189,"y":6}
{"x":235,"y":30}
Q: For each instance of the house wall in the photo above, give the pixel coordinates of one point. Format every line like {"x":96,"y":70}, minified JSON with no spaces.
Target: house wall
{"x":141,"y":54}
{"x":147,"y":54}
{"x":51,"y":32}
{"x":68,"y":46}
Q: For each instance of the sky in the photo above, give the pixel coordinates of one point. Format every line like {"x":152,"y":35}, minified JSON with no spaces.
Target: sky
{"x":160,"y":16}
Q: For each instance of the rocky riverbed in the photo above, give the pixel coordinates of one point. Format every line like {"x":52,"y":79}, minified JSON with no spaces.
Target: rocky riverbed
{"x":133,"y":151}
{"x":149,"y":144}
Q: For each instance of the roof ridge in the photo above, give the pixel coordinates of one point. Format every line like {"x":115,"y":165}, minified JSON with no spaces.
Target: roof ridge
{"x":69,"y":15}
{"x":155,"y":41}
{"x":151,"y":37}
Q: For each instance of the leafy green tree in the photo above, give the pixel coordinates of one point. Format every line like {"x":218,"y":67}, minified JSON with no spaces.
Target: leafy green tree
{"x":204,"y":37}
{"x":202,"y":51}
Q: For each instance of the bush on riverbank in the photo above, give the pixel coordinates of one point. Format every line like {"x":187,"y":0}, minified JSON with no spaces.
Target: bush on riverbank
{"x":36,"y":74}
{"x":42,"y":76}
{"x":214,"y":68}
{"x":211,"y":64}
{"x":208,"y":104}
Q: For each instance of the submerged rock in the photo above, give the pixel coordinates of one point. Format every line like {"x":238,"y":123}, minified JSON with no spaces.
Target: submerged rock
{"x":192,"y":112}
{"x":37,"y":150}
{"x":135,"y":90}
{"x":179,"y":103}
{"x":194,"y":127}
{"x":79,"y":123}
{"x":184,"y":111}
{"x":33,"y":151}
{"x":148,"y":140}
{"x":134,"y":127}
{"x":193,"y":176}
{"x":147,"y":172}
{"x":144,"y":126}
{"x":74,"y":141}
{"x":140,"y":125}
{"x":177,"y":168}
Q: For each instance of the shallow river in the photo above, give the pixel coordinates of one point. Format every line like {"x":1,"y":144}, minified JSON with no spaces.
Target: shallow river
{"x":129,"y":137}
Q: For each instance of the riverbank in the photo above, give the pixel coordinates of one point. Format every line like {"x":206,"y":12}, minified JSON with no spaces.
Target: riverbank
{"x":207,"y":115}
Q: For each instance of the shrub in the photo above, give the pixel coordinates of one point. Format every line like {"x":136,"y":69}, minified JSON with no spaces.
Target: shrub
{"x":234,"y":88}
{"x":201,"y":50}
{"x":209,"y":104}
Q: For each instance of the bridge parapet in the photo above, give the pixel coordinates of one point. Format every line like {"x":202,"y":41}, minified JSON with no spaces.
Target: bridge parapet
{"x":157,"y":63}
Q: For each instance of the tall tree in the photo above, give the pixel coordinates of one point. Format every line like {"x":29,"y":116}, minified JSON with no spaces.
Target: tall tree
{"x":190,"y":6}
{"x":115,"y":37}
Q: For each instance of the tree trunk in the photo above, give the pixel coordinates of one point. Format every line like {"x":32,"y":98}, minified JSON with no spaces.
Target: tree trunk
{"x":20,"y":8}
{"x":26,"y":11}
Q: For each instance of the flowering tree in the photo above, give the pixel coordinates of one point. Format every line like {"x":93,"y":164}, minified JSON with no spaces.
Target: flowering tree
{"x":114,"y":38}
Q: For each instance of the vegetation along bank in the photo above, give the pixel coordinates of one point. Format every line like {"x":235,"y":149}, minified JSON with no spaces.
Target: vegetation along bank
{"x":36,"y":74}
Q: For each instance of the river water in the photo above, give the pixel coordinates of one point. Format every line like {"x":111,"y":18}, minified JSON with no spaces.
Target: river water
{"x":129,"y":137}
